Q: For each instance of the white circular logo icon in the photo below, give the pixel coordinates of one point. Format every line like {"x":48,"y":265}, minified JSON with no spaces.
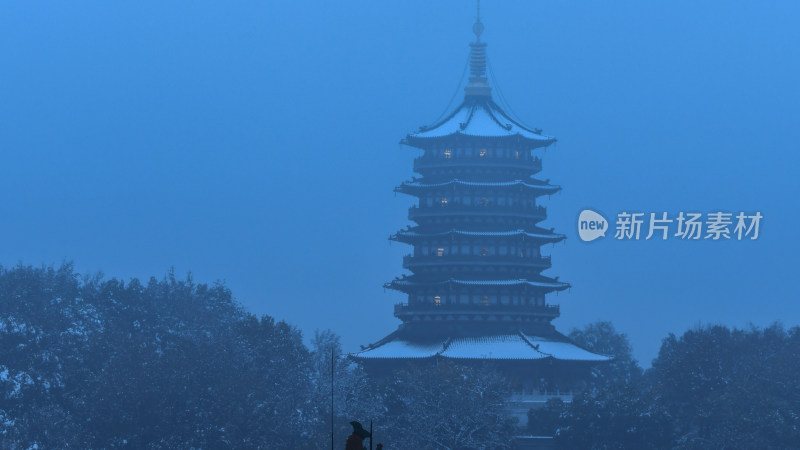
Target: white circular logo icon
{"x":591,"y":225}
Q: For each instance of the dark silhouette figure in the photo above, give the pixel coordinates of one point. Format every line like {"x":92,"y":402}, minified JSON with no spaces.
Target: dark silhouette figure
{"x":356,"y":440}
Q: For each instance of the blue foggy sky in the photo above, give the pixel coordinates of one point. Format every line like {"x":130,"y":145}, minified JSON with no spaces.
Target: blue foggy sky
{"x":257,"y":143}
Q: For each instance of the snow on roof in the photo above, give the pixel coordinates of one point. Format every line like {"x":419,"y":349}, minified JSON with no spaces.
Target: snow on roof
{"x":403,"y":349}
{"x":510,"y":346}
{"x":564,"y":350}
{"x":507,"y":346}
{"x":484,"y":233}
{"x":511,"y":283}
{"x":483,"y":119}
{"x":555,"y":285}
{"x":543,"y":186}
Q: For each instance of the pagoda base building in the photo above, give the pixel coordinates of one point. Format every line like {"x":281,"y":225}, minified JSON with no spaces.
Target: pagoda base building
{"x":476,"y":291}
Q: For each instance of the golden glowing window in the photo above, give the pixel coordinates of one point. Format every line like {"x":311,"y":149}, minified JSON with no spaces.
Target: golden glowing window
{"x":516,"y":154}
{"x":448,"y":153}
{"x":485,"y":251}
{"x":444,"y":201}
{"x":484,"y":300}
{"x":440,"y":251}
{"x":482,"y":152}
{"x":437,"y":300}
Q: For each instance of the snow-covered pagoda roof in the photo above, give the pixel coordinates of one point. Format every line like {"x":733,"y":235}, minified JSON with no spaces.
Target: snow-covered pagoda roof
{"x":403,"y":236}
{"x":479,"y":117}
{"x":517,"y":346}
{"x":542,"y":187}
{"x":547,"y":283}
{"x":400,"y":349}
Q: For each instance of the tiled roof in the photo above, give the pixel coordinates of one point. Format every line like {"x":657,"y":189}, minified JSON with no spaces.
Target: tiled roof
{"x":496,"y":347}
{"x":556,"y":285}
{"x":564,"y":350}
{"x":403,"y":349}
{"x":549,"y":237}
{"x":481,"y":119}
{"x":510,"y":346}
{"x":544,"y":187}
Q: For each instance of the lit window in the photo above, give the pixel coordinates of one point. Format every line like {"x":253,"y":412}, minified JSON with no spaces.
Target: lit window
{"x":448,"y":153}
{"x":483,"y":152}
{"x":522,"y":253}
{"x":485,"y":251}
{"x":437,"y":300}
{"x":484,"y":201}
{"x":440,"y":251}
{"x":484,"y":300}
{"x":516,"y":154}
{"x":444,"y":201}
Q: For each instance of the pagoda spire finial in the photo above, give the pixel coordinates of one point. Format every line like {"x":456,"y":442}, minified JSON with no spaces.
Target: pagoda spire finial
{"x":478,"y":87}
{"x":477,"y":28}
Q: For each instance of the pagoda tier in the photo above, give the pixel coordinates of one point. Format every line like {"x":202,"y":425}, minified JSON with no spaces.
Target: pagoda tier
{"x":465,"y":191}
{"x":520,"y":292}
{"x":467,"y":265}
{"x":484,"y":217}
{"x":413,"y":236}
{"x":439,"y":164}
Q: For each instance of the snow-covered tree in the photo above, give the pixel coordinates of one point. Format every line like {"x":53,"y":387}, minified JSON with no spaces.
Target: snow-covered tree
{"x":712,"y":387}
{"x":95,"y":364}
{"x":619,"y":415}
{"x":446,"y":406}
{"x":602,"y":337}
{"x":731,"y":388}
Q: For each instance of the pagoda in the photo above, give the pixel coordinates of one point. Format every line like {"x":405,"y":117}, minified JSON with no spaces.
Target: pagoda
{"x":476,"y":288}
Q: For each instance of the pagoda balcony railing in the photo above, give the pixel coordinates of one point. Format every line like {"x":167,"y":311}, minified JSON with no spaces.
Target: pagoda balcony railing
{"x":427,"y":162}
{"x":534,"y":212}
{"x":494,"y":260}
{"x":403,"y":309}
